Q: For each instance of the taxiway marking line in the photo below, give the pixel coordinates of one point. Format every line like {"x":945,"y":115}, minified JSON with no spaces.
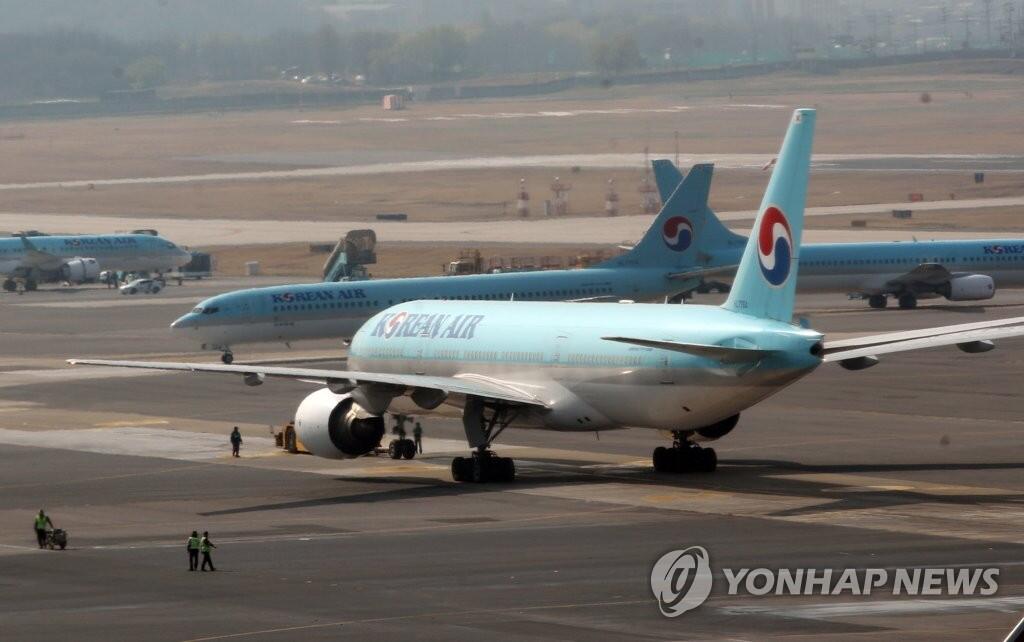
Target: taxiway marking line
{"x":306,"y":537}
{"x":415,"y":616}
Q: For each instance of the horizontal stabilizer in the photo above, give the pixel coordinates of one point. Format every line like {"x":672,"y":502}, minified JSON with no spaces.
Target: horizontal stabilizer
{"x":721,"y":353}
{"x":972,"y":340}
{"x":699,"y":272}
{"x":842,"y":345}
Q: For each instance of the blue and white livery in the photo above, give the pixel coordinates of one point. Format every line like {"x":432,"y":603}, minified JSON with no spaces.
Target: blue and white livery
{"x":654,"y":269}
{"x":903,"y":271}
{"x":687,"y":369}
{"x":78,"y":259}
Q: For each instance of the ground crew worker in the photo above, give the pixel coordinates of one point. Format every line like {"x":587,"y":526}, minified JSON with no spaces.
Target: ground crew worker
{"x":236,"y":441}
{"x":193,"y":551}
{"x":417,"y":435}
{"x":204,"y":547}
{"x":42,"y":521}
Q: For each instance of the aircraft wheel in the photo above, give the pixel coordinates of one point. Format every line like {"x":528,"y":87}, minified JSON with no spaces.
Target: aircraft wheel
{"x":707,"y":460}
{"x":395,"y":449}
{"x":508,"y":469}
{"x":878,"y":301}
{"x":480,"y":470}
{"x":10,"y":285}
{"x":662,"y":459}
{"x":408,"y":448}
{"x":227,"y":357}
{"x":908,"y":302}
{"x":459,"y":469}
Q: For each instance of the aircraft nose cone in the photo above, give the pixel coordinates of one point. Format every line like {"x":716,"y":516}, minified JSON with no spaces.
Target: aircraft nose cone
{"x":187,"y":321}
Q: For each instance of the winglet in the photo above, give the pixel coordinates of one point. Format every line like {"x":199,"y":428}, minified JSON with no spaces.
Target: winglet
{"x":765,"y":284}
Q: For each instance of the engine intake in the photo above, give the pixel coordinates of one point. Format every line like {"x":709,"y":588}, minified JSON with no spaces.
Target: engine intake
{"x":971,"y":287}
{"x":718,"y":429}
{"x":80,"y":270}
{"x":336,"y":427}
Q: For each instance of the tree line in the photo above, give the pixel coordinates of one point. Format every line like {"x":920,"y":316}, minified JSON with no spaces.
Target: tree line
{"x":77,"y":64}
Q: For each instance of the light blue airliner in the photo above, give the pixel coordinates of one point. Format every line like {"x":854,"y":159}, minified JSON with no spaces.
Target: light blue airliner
{"x":78,"y":259}
{"x":655,"y":268}
{"x":688,"y":369}
{"x":904,"y":271}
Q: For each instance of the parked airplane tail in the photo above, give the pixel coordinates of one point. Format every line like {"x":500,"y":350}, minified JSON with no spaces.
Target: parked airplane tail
{"x":670,"y":241}
{"x":710,"y":234}
{"x":765,"y":283}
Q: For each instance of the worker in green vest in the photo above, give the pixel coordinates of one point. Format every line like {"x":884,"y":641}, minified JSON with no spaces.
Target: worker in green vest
{"x":193,"y":551}
{"x":204,"y":547}
{"x":42,"y":521}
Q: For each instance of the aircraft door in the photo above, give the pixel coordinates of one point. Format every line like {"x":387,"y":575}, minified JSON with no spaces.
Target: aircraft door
{"x":558,"y":352}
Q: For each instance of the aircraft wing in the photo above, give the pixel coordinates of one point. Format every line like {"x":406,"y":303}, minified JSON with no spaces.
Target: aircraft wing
{"x":969,"y":337}
{"x":471,"y":385}
{"x":36,"y":258}
{"x":926,"y":273}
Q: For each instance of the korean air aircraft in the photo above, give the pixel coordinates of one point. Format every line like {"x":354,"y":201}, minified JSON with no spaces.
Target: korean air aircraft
{"x":291,"y":313}
{"x":688,"y":369}
{"x":904,"y":271}
{"x":78,"y":259}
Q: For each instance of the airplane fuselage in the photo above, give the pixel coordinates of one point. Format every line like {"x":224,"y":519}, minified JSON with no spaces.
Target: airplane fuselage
{"x":556,"y":351}
{"x":121,"y":252}
{"x":337,"y":310}
{"x":867,"y":267}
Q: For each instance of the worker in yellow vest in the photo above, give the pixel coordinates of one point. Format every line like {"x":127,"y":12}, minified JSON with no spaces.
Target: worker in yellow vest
{"x":193,"y":551}
{"x":42,"y":521}
{"x":204,"y":547}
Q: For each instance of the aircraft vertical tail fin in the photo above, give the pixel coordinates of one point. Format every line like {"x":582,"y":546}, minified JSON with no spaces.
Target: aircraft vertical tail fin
{"x":669,"y":242}
{"x":765,"y":284}
{"x":710,"y":234}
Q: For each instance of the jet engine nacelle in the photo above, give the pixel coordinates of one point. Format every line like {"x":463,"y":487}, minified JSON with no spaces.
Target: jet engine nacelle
{"x":336,"y":427}
{"x":80,"y":270}
{"x":717,"y":430}
{"x":972,"y":287}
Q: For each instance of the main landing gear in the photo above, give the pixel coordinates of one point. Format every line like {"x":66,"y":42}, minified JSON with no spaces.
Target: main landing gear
{"x":402,"y":449}
{"x":227,"y":357}
{"x":907,"y":301}
{"x":483,"y":422}
{"x":878,"y":301}
{"x":26,"y":285}
{"x":684,"y":457}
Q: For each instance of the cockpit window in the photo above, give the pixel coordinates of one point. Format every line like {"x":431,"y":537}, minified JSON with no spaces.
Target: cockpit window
{"x":211,"y":310}
{"x":197,"y":310}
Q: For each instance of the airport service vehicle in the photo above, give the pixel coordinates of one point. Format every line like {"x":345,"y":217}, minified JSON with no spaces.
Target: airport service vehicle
{"x":141,"y":286}
{"x":80,"y":259}
{"x":903,"y":271}
{"x":688,"y":369}
{"x":290,"y":313}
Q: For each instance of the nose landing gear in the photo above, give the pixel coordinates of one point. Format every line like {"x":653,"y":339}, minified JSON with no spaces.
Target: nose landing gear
{"x":684,"y":457}
{"x":227,"y":357}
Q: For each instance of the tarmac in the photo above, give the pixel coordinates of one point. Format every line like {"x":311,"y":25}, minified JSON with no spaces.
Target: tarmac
{"x":582,"y":229}
{"x":915,"y":463}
